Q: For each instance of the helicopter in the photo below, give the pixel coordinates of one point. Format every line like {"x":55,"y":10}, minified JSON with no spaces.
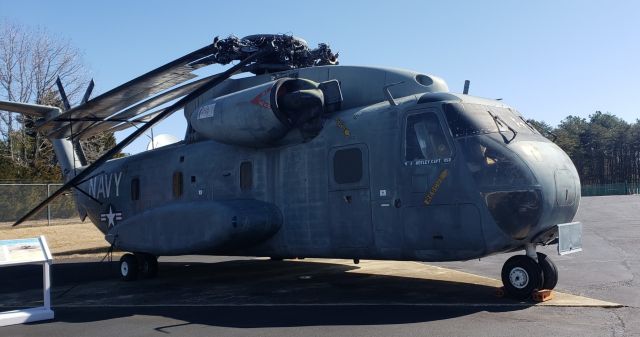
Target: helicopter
{"x":304,"y":157}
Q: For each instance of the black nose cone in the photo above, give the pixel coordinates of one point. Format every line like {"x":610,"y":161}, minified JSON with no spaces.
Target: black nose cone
{"x":515,"y":212}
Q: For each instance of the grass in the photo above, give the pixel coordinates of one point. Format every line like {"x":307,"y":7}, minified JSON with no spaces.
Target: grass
{"x":66,"y":240}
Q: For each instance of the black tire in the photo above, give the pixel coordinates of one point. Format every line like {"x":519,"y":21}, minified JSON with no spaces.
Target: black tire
{"x":148,"y":265}
{"x":521,"y":275}
{"x":128,"y":267}
{"x":549,"y":272}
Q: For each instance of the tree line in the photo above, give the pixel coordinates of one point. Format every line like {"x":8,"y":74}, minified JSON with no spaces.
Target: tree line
{"x":604,"y":148}
{"x":31,"y":60}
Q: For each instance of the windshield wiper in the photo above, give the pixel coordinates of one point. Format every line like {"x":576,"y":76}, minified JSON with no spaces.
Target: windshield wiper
{"x":541,"y":131}
{"x":499,"y":121}
{"x":528,"y":124}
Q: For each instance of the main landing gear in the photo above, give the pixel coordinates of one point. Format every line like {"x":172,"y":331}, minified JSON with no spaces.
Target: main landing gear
{"x":135,"y":265}
{"x":523,"y":274}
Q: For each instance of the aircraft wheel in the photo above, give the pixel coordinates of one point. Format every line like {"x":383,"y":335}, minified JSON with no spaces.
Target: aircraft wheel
{"x":549,"y":271}
{"x":128,"y":267}
{"x":148,"y":265}
{"x":521,"y":275}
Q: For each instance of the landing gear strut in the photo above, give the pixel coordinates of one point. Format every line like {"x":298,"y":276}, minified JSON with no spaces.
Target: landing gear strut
{"x":523,"y":274}
{"x":135,"y":265}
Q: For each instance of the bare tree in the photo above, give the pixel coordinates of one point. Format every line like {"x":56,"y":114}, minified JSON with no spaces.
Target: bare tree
{"x":30,"y":62}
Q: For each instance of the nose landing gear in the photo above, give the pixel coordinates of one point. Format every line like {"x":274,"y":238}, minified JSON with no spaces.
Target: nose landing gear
{"x":522,"y":274}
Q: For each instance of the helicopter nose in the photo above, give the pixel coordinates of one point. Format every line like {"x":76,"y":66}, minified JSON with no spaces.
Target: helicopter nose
{"x":528,"y":185}
{"x":558,"y":181}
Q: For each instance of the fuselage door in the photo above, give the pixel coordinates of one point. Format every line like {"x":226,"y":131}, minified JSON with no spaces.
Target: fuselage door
{"x":427,"y":158}
{"x":349,"y":198}
{"x":426,"y":176}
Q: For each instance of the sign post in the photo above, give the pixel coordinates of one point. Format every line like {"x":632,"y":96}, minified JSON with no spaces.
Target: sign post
{"x":28,"y":251}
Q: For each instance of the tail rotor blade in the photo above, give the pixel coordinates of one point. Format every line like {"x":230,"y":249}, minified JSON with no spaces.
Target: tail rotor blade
{"x":63,"y":95}
{"x":87,"y":93}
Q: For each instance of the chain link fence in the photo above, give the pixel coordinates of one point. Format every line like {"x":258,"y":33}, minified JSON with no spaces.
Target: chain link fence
{"x":16,"y":199}
{"x":610,"y":189}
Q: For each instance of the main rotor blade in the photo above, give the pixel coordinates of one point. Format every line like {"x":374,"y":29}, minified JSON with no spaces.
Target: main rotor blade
{"x":116,"y":149}
{"x":140,"y":108}
{"x":135,"y":122}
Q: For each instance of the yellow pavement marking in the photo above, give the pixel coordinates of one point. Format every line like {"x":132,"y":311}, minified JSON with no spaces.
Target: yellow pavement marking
{"x":429,"y":272}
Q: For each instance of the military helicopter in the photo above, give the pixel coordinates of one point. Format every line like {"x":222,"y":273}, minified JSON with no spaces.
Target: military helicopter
{"x":308,"y":158}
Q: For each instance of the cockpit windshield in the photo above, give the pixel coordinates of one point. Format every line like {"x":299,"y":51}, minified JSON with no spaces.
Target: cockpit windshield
{"x":469,"y":119}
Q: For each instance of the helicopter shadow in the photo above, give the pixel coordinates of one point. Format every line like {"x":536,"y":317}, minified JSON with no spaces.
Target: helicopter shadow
{"x":251,"y":294}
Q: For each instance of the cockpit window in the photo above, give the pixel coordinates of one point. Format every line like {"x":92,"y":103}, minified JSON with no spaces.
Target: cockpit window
{"x":492,"y":164}
{"x":470,"y":119}
{"x":425,"y":138}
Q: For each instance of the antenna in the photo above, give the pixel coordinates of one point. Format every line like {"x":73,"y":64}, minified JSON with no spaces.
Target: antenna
{"x":466,"y":87}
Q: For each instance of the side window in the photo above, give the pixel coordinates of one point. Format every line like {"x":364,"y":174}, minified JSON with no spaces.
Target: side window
{"x":425,"y":138}
{"x":246,"y":175}
{"x":135,"y":189}
{"x":347,"y":166}
{"x":177,"y":184}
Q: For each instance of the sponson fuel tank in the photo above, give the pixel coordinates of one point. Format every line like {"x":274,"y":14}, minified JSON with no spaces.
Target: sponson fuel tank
{"x":207,"y":227}
{"x":262,"y":115}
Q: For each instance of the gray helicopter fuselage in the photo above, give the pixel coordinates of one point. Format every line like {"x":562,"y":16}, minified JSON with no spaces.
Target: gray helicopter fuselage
{"x":403,"y":170}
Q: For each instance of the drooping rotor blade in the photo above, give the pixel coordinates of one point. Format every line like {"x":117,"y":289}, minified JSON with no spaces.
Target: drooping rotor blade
{"x":117,"y":125}
{"x":87,"y":93}
{"x":160,"y":99}
{"x":164,"y":77}
{"x":165,"y":113}
{"x":173,"y":73}
{"x":63,"y":95}
{"x":83,"y":131}
{"x":144,"y":119}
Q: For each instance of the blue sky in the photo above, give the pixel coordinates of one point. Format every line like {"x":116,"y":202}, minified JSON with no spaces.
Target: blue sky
{"x":549,"y":59}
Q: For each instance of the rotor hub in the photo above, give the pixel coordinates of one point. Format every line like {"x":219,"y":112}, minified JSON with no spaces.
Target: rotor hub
{"x":289,"y":52}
